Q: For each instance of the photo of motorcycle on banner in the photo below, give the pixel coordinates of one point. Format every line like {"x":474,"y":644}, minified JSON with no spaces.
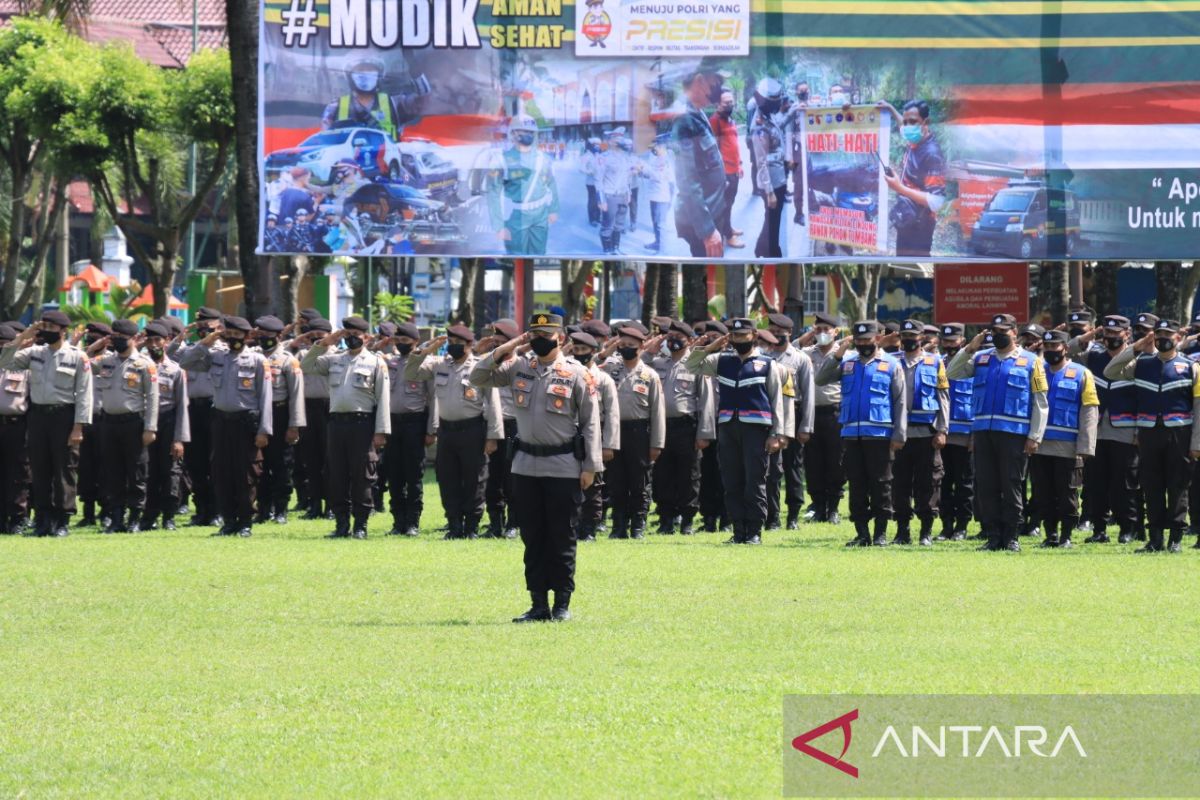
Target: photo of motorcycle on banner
{"x":712,"y":131}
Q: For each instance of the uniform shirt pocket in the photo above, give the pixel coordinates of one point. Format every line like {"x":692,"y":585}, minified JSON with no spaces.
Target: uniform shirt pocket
{"x":558,"y":398}
{"x":15,"y":383}
{"x":64,"y":376}
{"x":337,"y":374}
{"x":245,"y":379}
{"x":414,"y":388}
{"x":363,"y":378}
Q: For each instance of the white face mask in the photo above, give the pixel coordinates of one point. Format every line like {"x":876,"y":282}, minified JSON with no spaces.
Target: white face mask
{"x":824,"y":339}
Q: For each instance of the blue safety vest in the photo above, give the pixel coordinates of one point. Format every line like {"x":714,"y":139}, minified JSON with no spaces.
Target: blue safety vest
{"x":743,"y":389}
{"x":1002,"y":393}
{"x":1064,"y":396}
{"x":925,"y":392}
{"x":1163,"y":391}
{"x":867,"y":396}
{"x":962,"y":411}
{"x":1117,"y":398}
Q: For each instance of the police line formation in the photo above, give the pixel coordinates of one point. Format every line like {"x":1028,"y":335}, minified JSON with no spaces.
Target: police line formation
{"x":553,"y":430}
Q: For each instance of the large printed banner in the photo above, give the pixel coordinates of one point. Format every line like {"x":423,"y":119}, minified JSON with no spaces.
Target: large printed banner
{"x":736,"y":130}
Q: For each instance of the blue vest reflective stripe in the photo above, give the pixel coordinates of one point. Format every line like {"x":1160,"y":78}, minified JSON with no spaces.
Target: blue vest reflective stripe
{"x":1163,"y":390}
{"x":1001,"y":395}
{"x":867,"y":397}
{"x":1116,"y":397}
{"x":743,"y":389}
{"x":962,"y":412}
{"x":1066,"y":391}
{"x":925,"y":394}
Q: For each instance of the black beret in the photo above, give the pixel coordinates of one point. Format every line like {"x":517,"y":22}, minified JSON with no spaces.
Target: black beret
{"x":821,"y":318}
{"x":356,"y":324}
{"x":1080,"y":316}
{"x":1055,"y":336}
{"x":1004,"y":321}
{"x":157,"y":328}
{"x":625,"y":329}
{"x":56,"y":318}
{"x":321,"y":325}
{"x":174,"y":324}
{"x":634,"y":323}
{"x":387,"y":329}
{"x":574,"y":328}
{"x":124,"y":327}
{"x":765,"y":335}
{"x":7,"y":333}
{"x":461,"y":332}
{"x":16,"y":325}
{"x":1032,"y":328}
{"x":718,"y":326}
{"x":506,"y":328}
{"x":99,"y":327}
{"x":584,"y":338}
{"x":237,"y":323}
{"x":207,"y":312}
{"x":269,"y":324}
{"x":682,"y":327}
{"x":310,"y":314}
{"x":891,"y":326}
{"x":408,"y":329}
{"x":662,"y":323}
{"x":742,"y":324}
{"x":952,"y":329}
{"x":866,"y":327}
{"x":596,"y":327}
{"x":912,"y":326}
{"x":782,"y":321}
{"x":1115,"y":322}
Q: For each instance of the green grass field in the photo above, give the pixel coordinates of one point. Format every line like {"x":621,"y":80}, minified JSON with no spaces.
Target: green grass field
{"x":174,"y":664}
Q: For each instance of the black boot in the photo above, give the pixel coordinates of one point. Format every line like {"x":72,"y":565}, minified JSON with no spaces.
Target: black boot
{"x":619,"y":530}
{"x":470,"y":527}
{"x":947,"y":534}
{"x":737,"y":534}
{"x":686,"y":528}
{"x":793,"y":520}
{"x":116,"y":521}
{"x":862,"y":536}
{"x":89,"y":514}
{"x":454,"y":528}
{"x":562,"y":602}
{"x":1154,"y":544}
{"x":960,"y":530}
{"x":903,"y":535}
{"x":750,"y":534}
{"x":360,"y":527}
{"x":637,"y":528}
{"x":1051,"y":539}
{"x":1175,"y":543}
{"x":60,"y":524}
{"x":341,"y":528}
{"x":1064,"y":536}
{"x":495,"y":528}
{"x":587,"y":532}
{"x":168,"y":522}
{"x":666,"y":525}
{"x":926,"y":539}
{"x":43,"y":524}
{"x":538,"y":612}
{"x":880,"y":533}
{"x":709,"y":525}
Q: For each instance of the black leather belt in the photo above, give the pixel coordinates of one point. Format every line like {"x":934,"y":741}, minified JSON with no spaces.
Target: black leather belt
{"x":120,"y":418}
{"x":411,"y":417}
{"x":11,"y":419}
{"x":545,"y":449}
{"x":682,"y":420}
{"x":459,"y":424}
{"x":635,"y":423}
{"x":352,"y":416}
{"x":242,"y":414}
{"x":41,"y":408}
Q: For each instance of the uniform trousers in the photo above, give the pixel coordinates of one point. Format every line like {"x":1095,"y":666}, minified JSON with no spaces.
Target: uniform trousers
{"x":499,"y":486}
{"x":1165,"y":469}
{"x":787,"y":468}
{"x":14,"y":470}
{"x":712,"y":487}
{"x":461,"y":467}
{"x":164,"y":472}
{"x":592,"y":513}
{"x":628,"y":474}
{"x":768,"y":238}
{"x":868,"y":465}
{"x":197,"y":457}
{"x":744,"y":459}
{"x":1114,"y":479}
{"x":90,"y":482}
{"x":1057,"y":499}
{"x":351,"y":463}
{"x":53,"y":461}
{"x":958,"y":487}
{"x":677,"y":471}
{"x":312,"y":446}
{"x":236,"y":465}
{"x":405,"y":459}
{"x":1000,"y":464}
{"x":917,"y":481}
{"x":275,"y":485}
{"x":823,"y":461}
{"x":548,"y":514}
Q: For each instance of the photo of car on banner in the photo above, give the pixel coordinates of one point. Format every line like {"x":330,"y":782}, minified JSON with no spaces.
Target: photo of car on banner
{"x":717,"y":131}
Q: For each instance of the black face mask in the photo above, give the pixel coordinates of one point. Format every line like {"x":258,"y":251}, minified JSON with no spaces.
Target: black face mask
{"x":1139,"y":335}
{"x":909,"y":345}
{"x":1164,"y":345}
{"x":628,"y":353}
{"x":675,"y":345}
{"x":235,"y":345}
{"x":119,"y":343}
{"x":404,"y":349}
{"x":1113,"y":344}
{"x":1002,"y":341}
{"x":802,"y":96}
{"x":353,"y":342}
{"x":542,"y":346}
{"x":1074,"y":332}
{"x":524,"y":139}
{"x":950,"y":352}
{"x":268,"y":344}
{"x":155,"y":352}
{"x":456,"y":351}
{"x":1054,"y":356}
{"x":743,"y":347}
{"x":48,"y":337}
{"x":865,"y":350}
{"x":583,"y":358}
{"x":88,"y":341}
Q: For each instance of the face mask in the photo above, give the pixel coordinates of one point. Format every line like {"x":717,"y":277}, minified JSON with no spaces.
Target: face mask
{"x":1076,"y":332}
{"x":88,"y":341}
{"x":583,"y":358}
{"x":865,"y":350}
{"x":524,"y":138}
{"x":824,"y":339}
{"x":743,"y":347}
{"x":1002,"y":341}
{"x":365,"y":81}
{"x":1113,"y":344}
{"x":456,"y":351}
{"x":235,"y":345}
{"x":675,"y":345}
{"x":353,"y":342}
{"x":48,"y":337}
{"x":725,"y":113}
{"x":404,"y":349}
{"x":268,"y":344}
{"x":119,"y":344}
{"x":950,"y":352}
{"x":155,"y":352}
{"x":837,"y":99}
{"x":542,"y":346}
{"x":628,"y":353}
{"x":911,"y":133}
{"x":802,"y":96}
{"x":1054,"y":356}
{"x":909,"y":345}
{"x":1164,"y":345}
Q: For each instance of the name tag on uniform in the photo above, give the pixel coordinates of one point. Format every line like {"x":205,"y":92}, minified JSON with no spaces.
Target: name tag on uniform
{"x":564,"y":391}
{"x":133,"y":380}
{"x":641,"y":388}
{"x":985,"y":358}
{"x":884,"y":366}
{"x":848,"y":367}
{"x":15,"y":383}
{"x":1021,"y":362}
{"x":1182,"y":368}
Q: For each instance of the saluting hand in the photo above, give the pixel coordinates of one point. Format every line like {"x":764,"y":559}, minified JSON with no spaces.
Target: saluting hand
{"x":977,"y":342}
{"x":98,"y":346}
{"x":717,"y":345}
{"x":333,"y":338}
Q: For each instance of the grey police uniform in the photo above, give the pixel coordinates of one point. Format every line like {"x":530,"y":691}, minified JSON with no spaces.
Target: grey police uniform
{"x":414,"y":410}
{"x":242,"y":409}
{"x":469,"y":417}
{"x":701,"y":173}
{"x":643,"y":428}
{"x":823,"y":453}
{"x":610,"y":439}
{"x":690,"y":418}
{"x":615,"y":185}
{"x":770,"y":178}
{"x":498,"y":489}
{"x":60,"y":397}
{"x":312,"y":443}
{"x":164,"y":476}
{"x":127,"y":393}
{"x":360,"y":406}
{"x":288,"y":411}
{"x":197,"y":456}
{"x":14,"y":466}
{"x":787,"y":466}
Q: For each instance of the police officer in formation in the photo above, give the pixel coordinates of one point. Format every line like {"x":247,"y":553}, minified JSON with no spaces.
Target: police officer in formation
{"x":414,"y":412}
{"x":497,"y":495}
{"x":958,"y":468}
{"x":14,"y":467}
{"x":788,"y":464}
{"x":712,"y":489}
{"x":360,"y":420}
{"x":201,"y":390}
{"x":823,"y":453}
{"x":90,"y":469}
{"x":311,"y":329}
{"x":287,"y":398}
{"x":770,"y":175}
{"x":584,"y":347}
{"x":164,"y":475}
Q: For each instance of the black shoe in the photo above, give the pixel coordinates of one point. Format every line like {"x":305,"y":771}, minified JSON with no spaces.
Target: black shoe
{"x":412,"y":531}
{"x":638,"y":532}
{"x":753,"y":539}
{"x":880,"y":540}
{"x":666,"y":527}
{"x":1100,"y":538}
{"x":793,"y":522}
{"x":1049,"y":542}
{"x":87,"y":520}
{"x":510,"y":533}
{"x":359,"y":533}
{"x":341,"y":530}
{"x":991,"y":546}
{"x":1124,"y":538}
{"x":313,"y":513}
{"x":587,"y":536}
{"x":534,"y":614}
{"x":1149,"y":547}
{"x":772,"y":524}
{"x":244,"y":531}
{"x":394,"y":532}
{"x":1084,"y":525}
{"x":560,"y":614}
{"x":686,"y":529}
{"x":812,"y":515}
{"x":834,"y":518}
{"x":1012,"y":546}
{"x":1175,"y":547}
{"x":281,"y":518}
{"x":135,"y":526}
{"x":709,"y":525}
{"x":1065,"y":544}
{"x":926,"y":540}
